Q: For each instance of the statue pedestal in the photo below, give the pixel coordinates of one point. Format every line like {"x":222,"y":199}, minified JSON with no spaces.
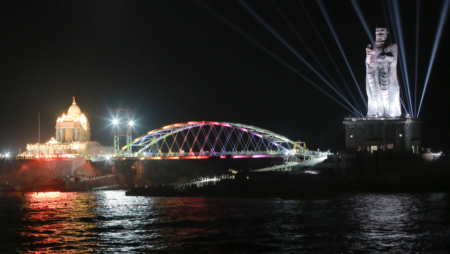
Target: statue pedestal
{"x":398,"y":134}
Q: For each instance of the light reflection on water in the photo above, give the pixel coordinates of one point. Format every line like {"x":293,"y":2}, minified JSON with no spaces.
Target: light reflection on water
{"x":110,"y":221}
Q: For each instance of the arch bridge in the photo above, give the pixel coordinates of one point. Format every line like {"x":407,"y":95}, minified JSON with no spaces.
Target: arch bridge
{"x":205,"y":139}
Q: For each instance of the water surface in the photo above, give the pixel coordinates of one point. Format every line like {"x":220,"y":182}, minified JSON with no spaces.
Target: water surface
{"x":109,"y":221}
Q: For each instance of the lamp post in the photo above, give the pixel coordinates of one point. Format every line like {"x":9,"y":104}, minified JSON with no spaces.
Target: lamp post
{"x":119,"y":127}
{"x":39,"y":133}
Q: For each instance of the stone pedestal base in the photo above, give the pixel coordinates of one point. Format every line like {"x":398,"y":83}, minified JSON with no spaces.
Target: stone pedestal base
{"x":383,"y":133}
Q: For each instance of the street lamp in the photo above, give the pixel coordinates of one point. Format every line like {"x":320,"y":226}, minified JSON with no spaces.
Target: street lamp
{"x":122,"y":127}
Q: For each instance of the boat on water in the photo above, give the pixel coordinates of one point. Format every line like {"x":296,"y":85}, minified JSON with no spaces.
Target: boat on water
{"x":74,"y":183}
{"x":7,"y":187}
{"x":247,"y":185}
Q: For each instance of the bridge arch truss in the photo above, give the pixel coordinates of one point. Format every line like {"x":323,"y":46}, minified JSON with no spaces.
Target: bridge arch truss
{"x":203,"y":139}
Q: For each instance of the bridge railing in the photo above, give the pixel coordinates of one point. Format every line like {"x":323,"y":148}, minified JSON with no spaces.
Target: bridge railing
{"x":309,"y":154}
{"x":205,"y":153}
{"x":202,"y":138}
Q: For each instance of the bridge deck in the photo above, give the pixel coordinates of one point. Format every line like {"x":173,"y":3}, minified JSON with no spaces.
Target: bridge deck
{"x":305,"y":155}
{"x":197,"y":157}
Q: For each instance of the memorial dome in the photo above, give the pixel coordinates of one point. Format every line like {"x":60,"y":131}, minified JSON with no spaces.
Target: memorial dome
{"x":74,"y":126}
{"x":74,"y":109}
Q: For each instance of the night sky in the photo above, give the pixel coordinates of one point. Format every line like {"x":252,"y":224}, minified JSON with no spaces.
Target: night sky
{"x":175,"y":61}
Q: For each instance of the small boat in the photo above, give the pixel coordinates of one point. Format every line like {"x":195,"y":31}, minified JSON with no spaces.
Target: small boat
{"x":76,"y":183}
{"x":7,"y":187}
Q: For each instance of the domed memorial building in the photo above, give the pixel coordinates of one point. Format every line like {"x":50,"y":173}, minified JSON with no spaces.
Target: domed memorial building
{"x":74,"y":126}
{"x":73,"y":134}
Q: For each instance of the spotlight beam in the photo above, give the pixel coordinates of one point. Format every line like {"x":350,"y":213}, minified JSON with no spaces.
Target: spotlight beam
{"x":386,"y":19}
{"x":311,"y":52}
{"x":305,"y":45}
{"x":387,"y":9}
{"x":404,"y":81}
{"x":330,"y":25}
{"x":402,"y":49}
{"x":435,"y":46}
{"x":406,"y":111}
{"x":230,"y":24}
{"x":417,"y":53}
{"x":363,"y":20}
{"x":328,"y":51}
{"x":287,"y":45}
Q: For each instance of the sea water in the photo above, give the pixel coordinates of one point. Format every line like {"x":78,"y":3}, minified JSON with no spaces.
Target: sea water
{"x":109,"y":221}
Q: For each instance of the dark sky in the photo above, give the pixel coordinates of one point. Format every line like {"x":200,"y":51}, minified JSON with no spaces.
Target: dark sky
{"x":174,"y":61}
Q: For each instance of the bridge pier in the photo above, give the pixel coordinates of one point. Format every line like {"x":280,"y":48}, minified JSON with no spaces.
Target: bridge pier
{"x":381,"y":162}
{"x":365,"y":164}
{"x":344,"y":165}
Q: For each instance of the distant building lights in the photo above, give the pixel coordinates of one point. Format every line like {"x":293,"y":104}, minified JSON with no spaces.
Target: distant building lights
{"x":400,"y":135}
{"x":351,"y":136}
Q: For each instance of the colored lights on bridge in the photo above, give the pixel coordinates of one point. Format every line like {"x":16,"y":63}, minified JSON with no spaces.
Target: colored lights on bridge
{"x":276,"y":145}
{"x":251,"y":156}
{"x":261,"y":156}
{"x":285,"y":139}
{"x":197,"y":157}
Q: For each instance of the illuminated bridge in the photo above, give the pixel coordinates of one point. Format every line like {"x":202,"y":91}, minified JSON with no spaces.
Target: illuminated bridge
{"x":205,"y":139}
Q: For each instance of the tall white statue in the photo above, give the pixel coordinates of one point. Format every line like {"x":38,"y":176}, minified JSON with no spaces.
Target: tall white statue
{"x":382,"y":86}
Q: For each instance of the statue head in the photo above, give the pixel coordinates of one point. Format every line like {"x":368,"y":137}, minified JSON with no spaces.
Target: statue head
{"x":381,"y":35}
